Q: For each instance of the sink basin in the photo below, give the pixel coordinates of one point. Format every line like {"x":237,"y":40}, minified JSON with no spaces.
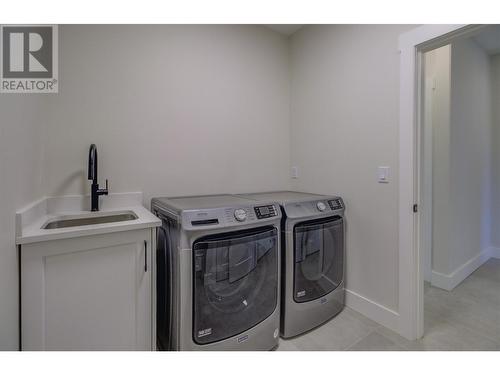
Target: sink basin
{"x":89,"y":219}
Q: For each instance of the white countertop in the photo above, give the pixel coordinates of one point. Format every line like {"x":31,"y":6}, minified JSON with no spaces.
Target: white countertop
{"x":30,"y":220}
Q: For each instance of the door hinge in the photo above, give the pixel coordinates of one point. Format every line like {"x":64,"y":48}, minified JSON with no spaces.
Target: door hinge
{"x":415,"y":208}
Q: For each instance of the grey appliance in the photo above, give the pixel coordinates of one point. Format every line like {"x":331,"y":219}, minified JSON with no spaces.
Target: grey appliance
{"x":218,"y":273}
{"x":313,"y":258}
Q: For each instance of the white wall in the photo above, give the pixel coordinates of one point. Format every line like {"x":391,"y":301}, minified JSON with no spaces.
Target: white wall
{"x":470,"y":145}
{"x":174,"y":110}
{"x":495,"y":207}
{"x":21,"y":153}
{"x":438,"y":73}
{"x":344,"y":121}
{"x":462,"y":133}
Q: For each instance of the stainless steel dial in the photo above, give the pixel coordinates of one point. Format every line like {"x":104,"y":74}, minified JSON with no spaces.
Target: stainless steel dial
{"x":240,"y":214}
{"x":321,"y":206}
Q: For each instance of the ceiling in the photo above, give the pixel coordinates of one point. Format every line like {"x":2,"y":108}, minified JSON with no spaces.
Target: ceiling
{"x":285,"y":29}
{"x":489,"y":39}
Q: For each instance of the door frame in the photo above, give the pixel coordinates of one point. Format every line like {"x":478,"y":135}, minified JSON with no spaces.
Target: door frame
{"x":412,"y":46}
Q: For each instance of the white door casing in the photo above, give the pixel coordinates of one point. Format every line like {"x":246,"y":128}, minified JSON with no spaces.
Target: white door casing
{"x":412,"y":45}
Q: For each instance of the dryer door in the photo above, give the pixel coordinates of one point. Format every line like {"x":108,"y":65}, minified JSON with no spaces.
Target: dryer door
{"x":318,"y":257}
{"x":235,"y":281}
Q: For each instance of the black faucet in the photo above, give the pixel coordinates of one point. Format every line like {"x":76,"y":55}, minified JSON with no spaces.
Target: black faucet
{"x":92,"y":175}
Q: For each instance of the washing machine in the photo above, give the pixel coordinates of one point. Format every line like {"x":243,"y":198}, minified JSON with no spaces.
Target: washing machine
{"x":218,"y":273}
{"x":313,"y":251}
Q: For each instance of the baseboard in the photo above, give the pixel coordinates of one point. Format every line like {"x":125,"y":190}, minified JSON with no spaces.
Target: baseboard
{"x":495,"y":252}
{"x":450,"y":281}
{"x":371,"y":309}
{"x":390,"y":318}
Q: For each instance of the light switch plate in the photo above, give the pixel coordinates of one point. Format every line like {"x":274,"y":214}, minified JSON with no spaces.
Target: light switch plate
{"x":294,"y":172}
{"x":383,"y":175}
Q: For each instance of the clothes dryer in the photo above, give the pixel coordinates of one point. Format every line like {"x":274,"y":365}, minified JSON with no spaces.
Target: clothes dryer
{"x":313,"y":253}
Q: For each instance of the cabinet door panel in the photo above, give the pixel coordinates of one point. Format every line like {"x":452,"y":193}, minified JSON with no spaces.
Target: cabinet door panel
{"x":90,"y":294}
{"x":90,"y":299}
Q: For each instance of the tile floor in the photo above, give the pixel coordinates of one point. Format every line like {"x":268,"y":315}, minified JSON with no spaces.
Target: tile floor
{"x":467,"y":318}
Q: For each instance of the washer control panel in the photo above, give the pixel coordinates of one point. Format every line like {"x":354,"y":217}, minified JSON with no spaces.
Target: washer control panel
{"x":232,"y":216}
{"x":336,"y":204}
{"x":264,"y":212}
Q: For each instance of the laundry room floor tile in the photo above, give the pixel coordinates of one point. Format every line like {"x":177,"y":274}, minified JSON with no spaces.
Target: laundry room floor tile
{"x":466,"y":318}
{"x":448,"y":336}
{"x":286,"y":345}
{"x":394,"y":337}
{"x":473,"y":315}
{"x":376,"y":341}
{"x":489,"y":270}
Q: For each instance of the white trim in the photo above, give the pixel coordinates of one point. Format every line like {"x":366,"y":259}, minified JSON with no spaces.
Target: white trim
{"x":450,"y":281}
{"x":426,"y":182}
{"x":372,"y":310}
{"x":411,"y":45}
{"x":494,"y":252}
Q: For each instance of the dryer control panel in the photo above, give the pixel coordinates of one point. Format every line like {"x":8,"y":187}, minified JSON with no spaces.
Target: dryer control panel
{"x":336,"y":204}
{"x":264,"y":212}
{"x":314,"y":208}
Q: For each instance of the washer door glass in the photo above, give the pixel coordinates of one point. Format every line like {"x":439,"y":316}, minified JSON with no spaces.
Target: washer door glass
{"x":235,"y":281}
{"x":318,"y":257}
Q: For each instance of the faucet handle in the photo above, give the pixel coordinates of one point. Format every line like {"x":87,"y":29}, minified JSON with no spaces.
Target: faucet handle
{"x":103,"y":191}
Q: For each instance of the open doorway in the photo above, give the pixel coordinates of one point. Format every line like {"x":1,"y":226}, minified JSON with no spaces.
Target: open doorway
{"x":460,"y":193}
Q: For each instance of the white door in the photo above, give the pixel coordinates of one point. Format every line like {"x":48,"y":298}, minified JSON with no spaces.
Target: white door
{"x":88,"y":293}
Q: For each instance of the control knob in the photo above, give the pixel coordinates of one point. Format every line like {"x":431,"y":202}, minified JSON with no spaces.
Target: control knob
{"x":240,"y":214}
{"x":321,"y":206}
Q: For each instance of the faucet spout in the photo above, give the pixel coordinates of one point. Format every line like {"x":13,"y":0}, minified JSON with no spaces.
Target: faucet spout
{"x":95,"y":192}
{"x":92,"y":169}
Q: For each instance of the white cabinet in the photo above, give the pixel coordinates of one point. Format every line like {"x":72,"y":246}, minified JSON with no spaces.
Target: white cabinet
{"x":89,"y":293}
